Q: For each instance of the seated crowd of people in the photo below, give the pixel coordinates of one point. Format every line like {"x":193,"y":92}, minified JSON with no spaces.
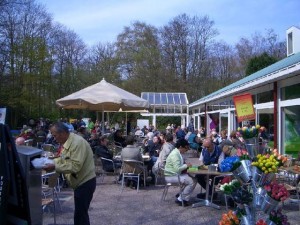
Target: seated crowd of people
{"x":165,"y":149}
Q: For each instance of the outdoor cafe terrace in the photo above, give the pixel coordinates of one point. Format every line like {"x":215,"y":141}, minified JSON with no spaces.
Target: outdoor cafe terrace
{"x":111,"y":206}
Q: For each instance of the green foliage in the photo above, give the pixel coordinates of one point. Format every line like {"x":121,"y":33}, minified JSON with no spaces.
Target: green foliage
{"x":259,"y":62}
{"x":163,"y":121}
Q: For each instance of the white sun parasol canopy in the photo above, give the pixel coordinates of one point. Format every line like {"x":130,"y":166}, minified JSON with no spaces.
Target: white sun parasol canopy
{"x":103,"y":96}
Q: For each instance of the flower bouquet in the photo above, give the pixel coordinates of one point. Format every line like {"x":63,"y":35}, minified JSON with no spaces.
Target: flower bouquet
{"x":249,"y":132}
{"x":242,"y":195}
{"x":230,"y":163}
{"x":243,"y":154}
{"x":280,"y":158}
{"x":229,"y":219}
{"x":275,"y":193}
{"x":265,"y":166}
{"x":238,"y":192}
{"x":238,"y":165}
{"x":278,"y":218}
{"x":266,"y":163}
{"x":261,"y":222}
{"x":228,"y":188}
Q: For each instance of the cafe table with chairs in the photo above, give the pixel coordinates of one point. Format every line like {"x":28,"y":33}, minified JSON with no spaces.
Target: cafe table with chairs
{"x":209,"y":171}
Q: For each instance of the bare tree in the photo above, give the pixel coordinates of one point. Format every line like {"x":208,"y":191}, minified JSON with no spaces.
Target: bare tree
{"x":185,"y":49}
{"x":247,"y":48}
{"x":68,"y":52}
{"x":223,"y":64}
{"x":139,"y":54}
{"x":103,"y":63}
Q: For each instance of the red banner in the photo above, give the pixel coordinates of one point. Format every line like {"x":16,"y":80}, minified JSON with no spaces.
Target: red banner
{"x":244,"y":107}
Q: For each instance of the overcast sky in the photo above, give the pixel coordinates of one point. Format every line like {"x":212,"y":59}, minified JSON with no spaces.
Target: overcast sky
{"x":102,"y":20}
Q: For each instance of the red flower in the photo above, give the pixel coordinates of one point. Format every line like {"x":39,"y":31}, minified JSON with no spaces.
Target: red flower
{"x":277,"y":191}
{"x":261,"y":222}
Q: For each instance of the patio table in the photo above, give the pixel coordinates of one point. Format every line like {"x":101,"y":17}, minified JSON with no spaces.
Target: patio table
{"x":208,"y":173}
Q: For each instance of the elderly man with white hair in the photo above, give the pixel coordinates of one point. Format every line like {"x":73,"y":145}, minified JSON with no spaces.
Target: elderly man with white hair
{"x":209,"y":155}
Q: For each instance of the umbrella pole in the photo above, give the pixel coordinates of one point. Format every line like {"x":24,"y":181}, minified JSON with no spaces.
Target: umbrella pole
{"x":126,"y":123}
{"x":102,"y":122}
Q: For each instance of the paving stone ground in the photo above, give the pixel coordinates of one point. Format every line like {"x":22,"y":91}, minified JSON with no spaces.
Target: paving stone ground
{"x":110,"y":206}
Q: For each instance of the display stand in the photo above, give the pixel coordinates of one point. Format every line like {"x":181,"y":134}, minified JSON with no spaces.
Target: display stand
{"x":255,"y":180}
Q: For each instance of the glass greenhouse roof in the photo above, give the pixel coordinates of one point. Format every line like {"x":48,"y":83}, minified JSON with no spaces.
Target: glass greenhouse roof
{"x":155,"y":98}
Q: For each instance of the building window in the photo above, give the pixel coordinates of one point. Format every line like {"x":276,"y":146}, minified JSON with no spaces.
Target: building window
{"x":265,"y":97}
{"x":291,"y":92}
{"x":291,"y":130}
{"x":224,"y":121}
{"x":266,"y":119}
{"x":290,"y":43}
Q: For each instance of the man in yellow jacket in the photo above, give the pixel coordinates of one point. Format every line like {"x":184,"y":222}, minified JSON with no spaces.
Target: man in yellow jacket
{"x":77,"y":164}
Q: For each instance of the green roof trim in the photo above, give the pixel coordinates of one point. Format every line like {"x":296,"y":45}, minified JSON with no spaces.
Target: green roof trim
{"x":284,"y":63}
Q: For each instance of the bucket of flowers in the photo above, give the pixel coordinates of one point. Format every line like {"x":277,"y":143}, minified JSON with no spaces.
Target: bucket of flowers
{"x":243,"y":171}
{"x":238,"y":192}
{"x":228,"y":188}
{"x":277,"y":218}
{"x":250,"y":137}
{"x":229,"y":218}
{"x":265,"y":166}
{"x":239,"y":165}
{"x":230,"y":163}
{"x":275,"y":193}
{"x":249,"y":133}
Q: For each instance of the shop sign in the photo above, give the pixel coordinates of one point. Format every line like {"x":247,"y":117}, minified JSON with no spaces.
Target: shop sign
{"x":244,"y":107}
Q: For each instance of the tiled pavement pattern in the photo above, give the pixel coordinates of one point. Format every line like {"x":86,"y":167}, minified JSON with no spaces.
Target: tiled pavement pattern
{"x":111,"y":207}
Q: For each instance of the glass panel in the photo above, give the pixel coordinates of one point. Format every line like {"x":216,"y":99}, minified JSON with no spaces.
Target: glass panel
{"x":266,"y":119}
{"x":224,"y":121}
{"x":176,"y":99}
{"x":214,"y":122}
{"x":223,"y":105}
{"x":183,"y":99}
{"x":291,"y":92}
{"x":196,"y":122}
{"x":170,"y":99}
{"x":157,"y":99}
{"x":291,"y":130}
{"x":145,"y":96}
{"x":163,"y":98}
{"x":151,"y":98}
{"x":265,"y":97}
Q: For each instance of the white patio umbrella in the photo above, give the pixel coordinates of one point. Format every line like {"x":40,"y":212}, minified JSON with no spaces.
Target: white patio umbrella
{"x":103,"y":96}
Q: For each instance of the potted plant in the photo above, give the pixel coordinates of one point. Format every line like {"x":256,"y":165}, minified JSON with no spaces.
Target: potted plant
{"x":277,"y":218}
